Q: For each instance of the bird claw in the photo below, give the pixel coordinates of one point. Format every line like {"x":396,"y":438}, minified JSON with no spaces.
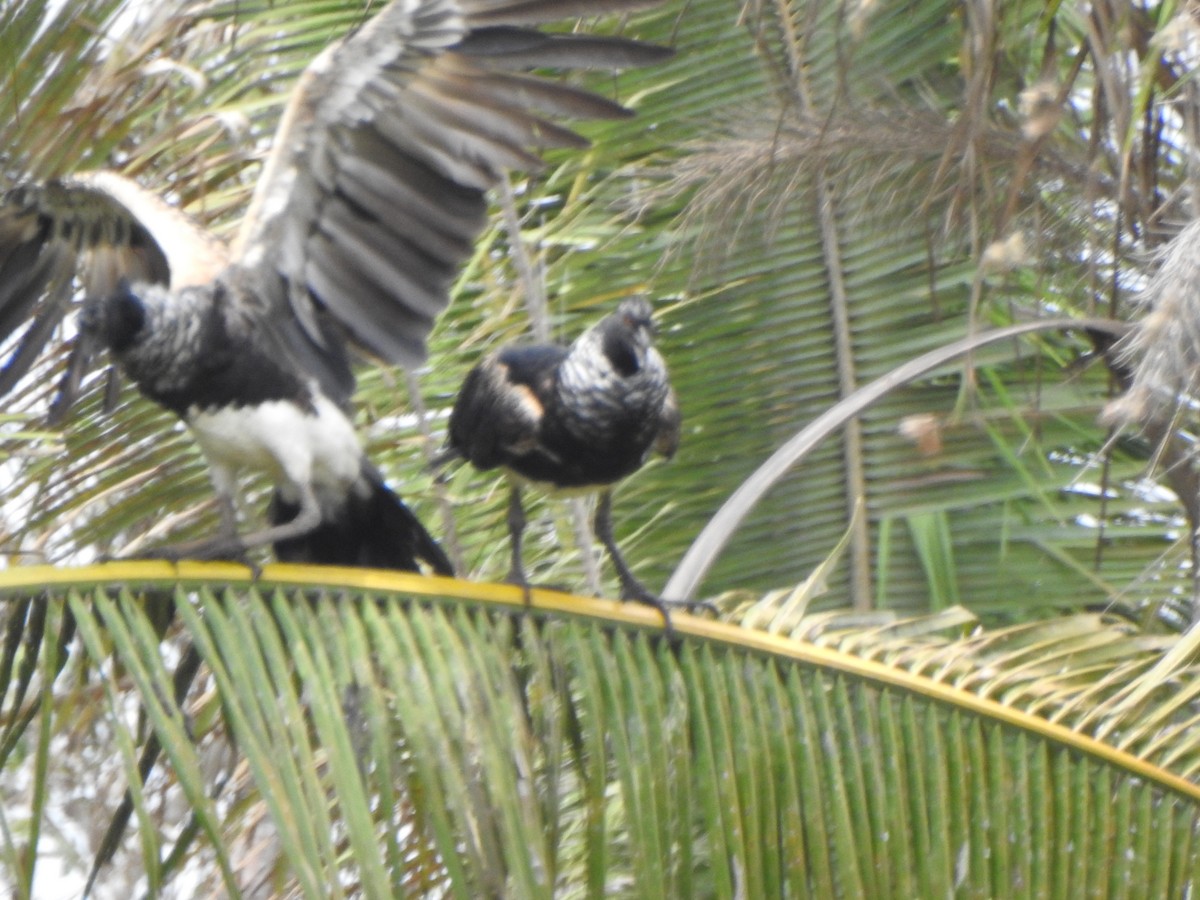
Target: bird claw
{"x":212,"y":550}
{"x":633,"y":590}
{"x":696,"y":607}
{"x":519,"y":579}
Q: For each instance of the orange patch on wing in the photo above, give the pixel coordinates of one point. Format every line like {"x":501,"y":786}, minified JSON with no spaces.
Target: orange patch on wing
{"x":528,"y":400}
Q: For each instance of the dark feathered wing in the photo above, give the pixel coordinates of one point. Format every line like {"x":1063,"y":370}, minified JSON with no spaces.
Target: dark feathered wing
{"x":100,"y":227}
{"x":666,"y":442}
{"x":498,"y":413}
{"x":374,"y":193}
{"x":371,"y":198}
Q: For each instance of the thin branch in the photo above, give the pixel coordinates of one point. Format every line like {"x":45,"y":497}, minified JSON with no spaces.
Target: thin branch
{"x":721,"y":527}
{"x":852,"y":443}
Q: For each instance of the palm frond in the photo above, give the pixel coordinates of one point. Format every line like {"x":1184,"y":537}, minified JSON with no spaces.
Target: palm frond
{"x":406,"y":735}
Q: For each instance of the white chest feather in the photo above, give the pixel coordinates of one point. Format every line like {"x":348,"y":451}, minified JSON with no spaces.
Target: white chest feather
{"x":279,"y":438}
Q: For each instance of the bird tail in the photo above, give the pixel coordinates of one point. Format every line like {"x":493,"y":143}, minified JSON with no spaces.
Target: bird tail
{"x":374,"y":530}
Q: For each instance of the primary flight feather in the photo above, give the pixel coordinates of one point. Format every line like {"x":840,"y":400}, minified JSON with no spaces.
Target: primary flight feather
{"x":371,"y":197}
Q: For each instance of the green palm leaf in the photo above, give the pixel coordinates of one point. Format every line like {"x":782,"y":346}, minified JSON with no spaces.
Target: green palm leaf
{"x":413,"y":736}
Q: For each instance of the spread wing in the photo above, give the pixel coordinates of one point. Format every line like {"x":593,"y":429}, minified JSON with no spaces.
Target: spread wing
{"x":371,"y":198}
{"x":100,"y":227}
{"x":375,"y":189}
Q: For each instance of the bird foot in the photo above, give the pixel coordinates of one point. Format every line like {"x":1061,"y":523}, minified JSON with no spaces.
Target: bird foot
{"x":632,"y":589}
{"x":519,"y":579}
{"x":695,"y":606}
{"x":207,"y":550}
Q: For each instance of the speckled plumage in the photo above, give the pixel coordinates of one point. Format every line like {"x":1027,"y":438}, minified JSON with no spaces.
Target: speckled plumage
{"x":581,"y":417}
{"x":191,"y":350}
{"x":571,"y":419}
{"x":194,"y":352}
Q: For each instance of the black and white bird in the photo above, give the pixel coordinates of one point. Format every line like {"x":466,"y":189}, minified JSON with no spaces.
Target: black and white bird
{"x":372,"y":196}
{"x":574,"y":419}
{"x":249,"y":408}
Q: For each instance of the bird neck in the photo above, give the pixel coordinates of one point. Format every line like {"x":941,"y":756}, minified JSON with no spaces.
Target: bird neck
{"x":610,"y":374}
{"x":181,"y":330}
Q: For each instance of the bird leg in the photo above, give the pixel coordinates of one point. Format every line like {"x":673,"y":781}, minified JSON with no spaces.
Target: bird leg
{"x":631,"y":588}
{"x":225,"y":504}
{"x":305,"y":521}
{"x":516,"y":528}
{"x":228,"y":544}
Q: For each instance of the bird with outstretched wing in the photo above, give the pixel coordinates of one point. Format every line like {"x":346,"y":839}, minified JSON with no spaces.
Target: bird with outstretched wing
{"x":371,"y":198}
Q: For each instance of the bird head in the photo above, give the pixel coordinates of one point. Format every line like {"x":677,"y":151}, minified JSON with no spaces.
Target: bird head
{"x":627,"y":335}
{"x":637,"y":317}
{"x":114,"y":320}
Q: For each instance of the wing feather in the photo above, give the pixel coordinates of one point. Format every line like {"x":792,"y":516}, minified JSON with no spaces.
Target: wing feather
{"x":375,"y":189}
{"x":402,"y":329}
{"x":399,"y":201}
{"x":371,"y":198}
{"x":97,"y":228}
{"x":520,"y":48}
{"x":469,"y":157}
{"x":539,"y":12}
{"x":390,"y":265}
{"x":35,"y":338}
{"x":496,"y":416}
{"x":666,"y":441}
{"x":551,"y":98}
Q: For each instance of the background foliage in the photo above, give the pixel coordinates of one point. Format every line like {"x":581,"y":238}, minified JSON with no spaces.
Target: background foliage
{"x":812,"y":193}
